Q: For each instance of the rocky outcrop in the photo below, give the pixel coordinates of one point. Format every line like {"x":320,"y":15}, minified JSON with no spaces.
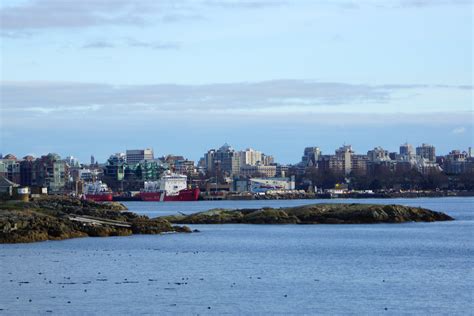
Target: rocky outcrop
{"x":315,"y":214}
{"x":56,"y":218}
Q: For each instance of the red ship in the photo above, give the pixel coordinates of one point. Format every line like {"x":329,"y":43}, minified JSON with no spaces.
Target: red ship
{"x":183,"y":195}
{"x":97,"y":192}
{"x":171,"y":187}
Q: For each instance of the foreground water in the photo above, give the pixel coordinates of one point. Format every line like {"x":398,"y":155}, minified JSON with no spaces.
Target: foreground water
{"x":423,"y":268}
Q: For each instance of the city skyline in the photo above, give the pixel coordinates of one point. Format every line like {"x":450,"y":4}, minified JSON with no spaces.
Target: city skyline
{"x":321,"y":151}
{"x":180,"y":76}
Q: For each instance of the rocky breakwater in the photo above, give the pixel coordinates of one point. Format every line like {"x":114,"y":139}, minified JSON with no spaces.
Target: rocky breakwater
{"x":56,"y":218}
{"x":314,"y":214}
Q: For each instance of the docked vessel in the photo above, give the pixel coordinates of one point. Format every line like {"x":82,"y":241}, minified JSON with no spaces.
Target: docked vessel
{"x":171,"y":187}
{"x":97,"y":191}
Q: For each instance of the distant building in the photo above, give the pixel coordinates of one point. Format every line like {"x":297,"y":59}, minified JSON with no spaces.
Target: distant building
{"x":225,"y":160}
{"x":72,"y":161}
{"x":115,"y":167}
{"x":28,"y":175}
{"x":258,"y":170}
{"x":359,"y":164}
{"x":7,"y":187}
{"x":185,"y":166}
{"x":282,"y":171}
{"x":263,"y":185}
{"x":378,"y":154}
{"x":426,"y":151}
{"x":343,"y":160}
{"x":137,"y":155}
{"x":457,"y":162}
{"x":85,"y":174}
{"x":310,"y":156}
{"x":426,"y":167}
{"x":51,"y":172}
{"x":228,"y":161}
{"x":267,"y":160}
{"x":250,"y":157}
{"x":407,"y":150}
{"x":10,"y":168}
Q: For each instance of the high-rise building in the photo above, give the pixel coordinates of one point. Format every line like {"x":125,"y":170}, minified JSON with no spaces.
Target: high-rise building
{"x":344,"y":159}
{"x":27,"y":171}
{"x":359,"y":164}
{"x":72,"y":161}
{"x":426,"y":151}
{"x":406,"y":150}
{"x":250,"y":157}
{"x":310,"y":156}
{"x":225,"y":160}
{"x":268,"y":160}
{"x":378,"y":154}
{"x":137,"y":155}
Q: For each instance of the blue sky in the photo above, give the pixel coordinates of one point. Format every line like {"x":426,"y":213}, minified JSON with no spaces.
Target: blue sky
{"x":98,"y":77}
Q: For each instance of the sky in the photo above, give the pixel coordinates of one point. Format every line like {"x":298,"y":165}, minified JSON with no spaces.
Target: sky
{"x":96,"y":77}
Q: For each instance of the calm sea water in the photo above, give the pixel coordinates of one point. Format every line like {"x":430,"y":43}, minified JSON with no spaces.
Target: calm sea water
{"x":414,"y":268}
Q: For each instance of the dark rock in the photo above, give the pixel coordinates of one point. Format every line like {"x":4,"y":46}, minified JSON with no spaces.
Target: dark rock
{"x":57,"y":218}
{"x":314,"y":214}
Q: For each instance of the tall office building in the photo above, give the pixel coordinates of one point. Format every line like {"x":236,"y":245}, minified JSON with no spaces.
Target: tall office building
{"x":406,"y":150}
{"x":426,"y":151}
{"x":310,"y":156}
{"x":250,"y":157}
{"x":344,"y":159}
{"x":225,"y":160}
{"x":137,"y":155}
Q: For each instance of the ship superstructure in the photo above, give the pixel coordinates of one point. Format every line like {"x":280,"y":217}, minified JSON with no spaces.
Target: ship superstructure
{"x":171,"y":187}
{"x":97,"y":191}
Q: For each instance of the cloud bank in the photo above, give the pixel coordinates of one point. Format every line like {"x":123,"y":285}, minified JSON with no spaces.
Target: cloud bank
{"x":36,"y":15}
{"x":273,"y":94}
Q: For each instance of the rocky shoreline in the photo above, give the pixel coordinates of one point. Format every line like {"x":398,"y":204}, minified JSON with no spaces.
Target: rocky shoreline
{"x":57,"y":218}
{"x":314,"y":214}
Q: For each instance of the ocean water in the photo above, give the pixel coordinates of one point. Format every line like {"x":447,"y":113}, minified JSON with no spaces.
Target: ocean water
{"x":412,"y":268}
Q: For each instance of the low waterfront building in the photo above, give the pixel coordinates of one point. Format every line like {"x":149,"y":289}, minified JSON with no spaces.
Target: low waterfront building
{"x":263,"y":185}
{"x":7,"y":187}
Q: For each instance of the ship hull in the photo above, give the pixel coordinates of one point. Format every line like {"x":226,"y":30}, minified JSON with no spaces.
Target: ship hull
{"x":182,"y":196}
{"x":99,"y":197}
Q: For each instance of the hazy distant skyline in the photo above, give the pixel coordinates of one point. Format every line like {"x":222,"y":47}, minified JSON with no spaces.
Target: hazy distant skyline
{"x":98,"y":77}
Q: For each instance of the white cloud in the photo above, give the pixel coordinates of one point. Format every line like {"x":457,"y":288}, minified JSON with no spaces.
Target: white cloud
{"x":459,"y":130}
